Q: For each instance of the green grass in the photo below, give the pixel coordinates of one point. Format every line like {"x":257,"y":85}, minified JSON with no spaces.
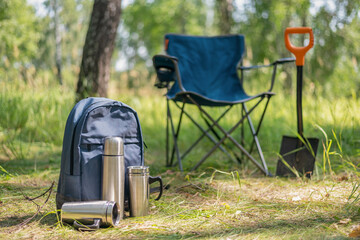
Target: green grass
{"x":221,"y":200}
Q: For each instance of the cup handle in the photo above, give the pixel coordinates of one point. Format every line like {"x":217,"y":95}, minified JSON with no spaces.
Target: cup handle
{"x":156,"y":179}
{"x":84,"y":227}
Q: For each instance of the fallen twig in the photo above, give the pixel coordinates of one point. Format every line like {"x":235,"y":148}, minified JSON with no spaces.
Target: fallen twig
{"x":49,"y":190}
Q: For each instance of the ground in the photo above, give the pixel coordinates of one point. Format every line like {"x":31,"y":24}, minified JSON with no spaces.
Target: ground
{"x":208,"y":204}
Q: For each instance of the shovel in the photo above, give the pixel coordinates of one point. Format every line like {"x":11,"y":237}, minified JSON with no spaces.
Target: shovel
{"x":298,"y":153}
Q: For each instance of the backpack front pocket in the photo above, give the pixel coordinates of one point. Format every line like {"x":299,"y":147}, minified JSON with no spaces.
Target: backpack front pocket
{"x":91,"y":151}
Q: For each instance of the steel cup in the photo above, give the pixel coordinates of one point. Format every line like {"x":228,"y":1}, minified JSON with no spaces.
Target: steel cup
{"x":139,"y":184}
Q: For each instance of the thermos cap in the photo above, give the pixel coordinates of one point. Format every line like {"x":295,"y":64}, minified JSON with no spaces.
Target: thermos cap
{"x":113,"y":146}
{"x":138,"y":169}
{"x":88,"y":211}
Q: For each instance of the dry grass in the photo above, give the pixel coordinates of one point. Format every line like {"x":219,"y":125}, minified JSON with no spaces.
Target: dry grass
{"x":199,"y":207}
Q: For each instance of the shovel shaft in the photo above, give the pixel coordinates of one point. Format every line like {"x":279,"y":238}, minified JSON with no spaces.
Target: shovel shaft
{"x":299,"y":83}
{"x":299,"y":53}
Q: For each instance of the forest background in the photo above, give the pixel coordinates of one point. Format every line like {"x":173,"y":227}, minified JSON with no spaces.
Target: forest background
{"x":42,"y":43}
{"x":37,"y":40}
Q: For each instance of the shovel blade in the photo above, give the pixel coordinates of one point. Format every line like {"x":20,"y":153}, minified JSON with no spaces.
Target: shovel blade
{"x":297,"y":155}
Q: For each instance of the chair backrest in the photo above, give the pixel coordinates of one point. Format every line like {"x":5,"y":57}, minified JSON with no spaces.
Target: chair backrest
{"x":208,"y":65}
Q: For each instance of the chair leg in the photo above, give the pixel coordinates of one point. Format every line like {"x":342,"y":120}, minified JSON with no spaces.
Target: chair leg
{"x":254,"y":133}
{"x":175,"y":136}
{"x":264,"y":170}
{"x":205,"y":133}
{"x":242,"y":131}
{"x":260,"y":122}
{"x":178,"y":130}
{"x":168,"y":163}
{"x":227,"y":135}
{"x":211,"y":127}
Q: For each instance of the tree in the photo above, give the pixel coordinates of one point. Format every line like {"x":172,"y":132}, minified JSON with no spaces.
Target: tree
{"x":336,"y":39}
{"x":263,"y":24}
{"x":146,"y":22}
{"x":57,"y":40}
{"x":224,"y":13}
{"x":19,"y":38}
{"x":98,"y":49}
{"x":66,"y":21}
{"x":336,"y":52}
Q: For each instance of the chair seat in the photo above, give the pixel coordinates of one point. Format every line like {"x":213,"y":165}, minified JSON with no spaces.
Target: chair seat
{"x":205,"y":101}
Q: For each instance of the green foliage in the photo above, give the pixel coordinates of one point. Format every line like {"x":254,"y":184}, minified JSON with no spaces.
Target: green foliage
{"x":331,"y":66}
{"x":29,"y":115}
{"x":337,"y":41}
{"x":74,"y":18}
{"x":19,"y":35}
{"x":146,"y":22}
{"x":27,"y":40}
{"x":354,"y":197}
{"x":336,"y":33}
{"x":13,"y":111}
{"x":264,"y":24}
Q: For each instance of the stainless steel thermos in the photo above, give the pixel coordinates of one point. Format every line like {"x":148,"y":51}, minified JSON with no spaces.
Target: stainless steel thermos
{"x":113,"y":179}
{"x":90,"y":215}
{"x":139,"y":184}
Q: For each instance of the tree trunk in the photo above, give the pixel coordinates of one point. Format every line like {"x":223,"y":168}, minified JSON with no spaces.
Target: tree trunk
{"x":57,"y":40}
{"x":225,"y":9}
{"x":99,"y":45}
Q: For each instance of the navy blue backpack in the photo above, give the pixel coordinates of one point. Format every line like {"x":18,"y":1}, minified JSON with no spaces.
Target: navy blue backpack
{"x":89,"y":122}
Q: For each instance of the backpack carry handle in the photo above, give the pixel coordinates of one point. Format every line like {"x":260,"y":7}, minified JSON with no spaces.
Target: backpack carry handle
{"x":299,"y":52}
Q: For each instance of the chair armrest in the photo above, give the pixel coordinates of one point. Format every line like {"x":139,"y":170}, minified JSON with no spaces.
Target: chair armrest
{"x":245,"y":68}
{"x":273,"y":64}
{"x":284,"y":60}
{"x":279,"y":61}
{"x":165,"y":67}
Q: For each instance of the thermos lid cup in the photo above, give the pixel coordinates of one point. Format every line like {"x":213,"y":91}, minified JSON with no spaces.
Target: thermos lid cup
{"x":113,"y":146}
{"x":138,"y":169}
{"x":87,"y":213}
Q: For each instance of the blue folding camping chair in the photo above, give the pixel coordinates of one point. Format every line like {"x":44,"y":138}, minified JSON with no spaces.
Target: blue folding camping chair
{"x":203,"y":71}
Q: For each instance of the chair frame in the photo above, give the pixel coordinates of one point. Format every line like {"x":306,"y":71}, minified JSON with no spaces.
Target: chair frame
{"x":168,"y":66}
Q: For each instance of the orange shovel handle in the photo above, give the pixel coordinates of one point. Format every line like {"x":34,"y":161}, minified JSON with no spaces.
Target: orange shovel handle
{"x":299,"y":52}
